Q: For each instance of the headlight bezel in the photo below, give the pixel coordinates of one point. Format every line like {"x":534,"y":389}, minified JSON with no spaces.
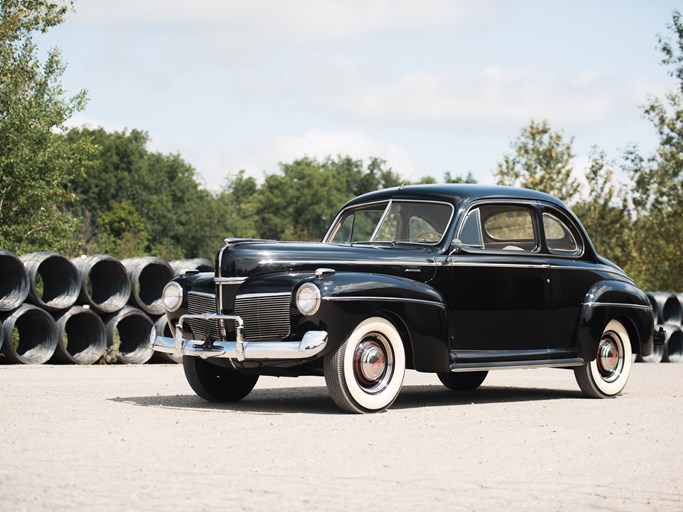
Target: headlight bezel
{"x":175,"y":292}
{"x":308,"y":299}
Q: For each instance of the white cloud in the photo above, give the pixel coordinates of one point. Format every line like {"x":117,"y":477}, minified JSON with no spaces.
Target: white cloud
{"x":492,"y":99}
{"x":495,"y":99}
{"x":238,"y":27}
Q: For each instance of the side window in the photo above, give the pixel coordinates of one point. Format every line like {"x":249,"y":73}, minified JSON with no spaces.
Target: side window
{"x":501,"y":227}
{"x":421,"y":230}
{"x":558,"y":236}
{"x":388,"y":231}
{"x":470,"y":234}
{"x":359,"y":225}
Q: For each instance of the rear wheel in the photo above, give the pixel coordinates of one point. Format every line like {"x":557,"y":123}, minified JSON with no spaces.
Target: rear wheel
{"x":467,"y":381}
{"x":608,"y":373}
{"x":366,"y":372}
{"x":217,"y":383}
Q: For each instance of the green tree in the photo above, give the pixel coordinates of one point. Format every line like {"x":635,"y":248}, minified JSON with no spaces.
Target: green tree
{"x":541,"y":160}
{"x":36,"y":162}
{"x":171,"y":215}
{"x":122,"y":231}
{"x":656,"y":197}
{"x":604,"y":211}
{"x":299,"y":202}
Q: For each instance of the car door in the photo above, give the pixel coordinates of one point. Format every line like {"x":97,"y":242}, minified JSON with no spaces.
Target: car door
{"x":499,"y":284}
{"x":570,"y":277}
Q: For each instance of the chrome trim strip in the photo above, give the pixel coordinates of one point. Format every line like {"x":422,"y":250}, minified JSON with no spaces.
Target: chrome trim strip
{"x":312,"y":343}
{"x":256,"y":295}
{"x":535,"y":265}
{"x":229,"y":280}
{"x":500,"y":265}
{"x":617,"y":305}
{"x":512,"y":365}
{"x":385,"y":299}
{"x":422,"y":263}
{"x":381,"y":220}
{"x":203,"y":294}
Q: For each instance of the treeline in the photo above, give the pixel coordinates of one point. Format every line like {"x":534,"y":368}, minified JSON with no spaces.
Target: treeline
{"x":129,"y":201}
{"x":135,"y":202}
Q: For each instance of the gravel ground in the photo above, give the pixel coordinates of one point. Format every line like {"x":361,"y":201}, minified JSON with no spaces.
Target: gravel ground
{"x":137,"y":438}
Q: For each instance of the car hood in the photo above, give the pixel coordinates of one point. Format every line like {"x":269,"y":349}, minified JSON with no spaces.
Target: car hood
{"x":249,"y":258}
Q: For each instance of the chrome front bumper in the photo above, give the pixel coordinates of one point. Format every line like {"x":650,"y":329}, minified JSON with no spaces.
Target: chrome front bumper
{"x":312,"y":343}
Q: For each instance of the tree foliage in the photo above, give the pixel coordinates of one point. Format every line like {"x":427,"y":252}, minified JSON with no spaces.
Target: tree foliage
{"x":541,"y":160}
{"x":36,"y":163}
{"x":299,"y":202}
{"x":656,"y":197}
{"x":137,"y":202}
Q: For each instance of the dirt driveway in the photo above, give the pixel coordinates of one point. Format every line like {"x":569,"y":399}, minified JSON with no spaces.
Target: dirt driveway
{"x":137,"y":438}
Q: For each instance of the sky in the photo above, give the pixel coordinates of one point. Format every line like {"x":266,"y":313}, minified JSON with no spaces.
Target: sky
{"x":430,"y":86}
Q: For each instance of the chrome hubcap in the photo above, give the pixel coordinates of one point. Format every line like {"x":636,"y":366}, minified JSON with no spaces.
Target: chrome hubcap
{"x":372,"y":364}
{"x":609,"y":357}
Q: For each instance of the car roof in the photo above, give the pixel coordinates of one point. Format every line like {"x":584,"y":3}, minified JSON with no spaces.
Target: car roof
{"x":455,"y":194}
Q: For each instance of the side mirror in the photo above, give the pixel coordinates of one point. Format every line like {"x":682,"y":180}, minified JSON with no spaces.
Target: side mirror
{"x":456,"y":247}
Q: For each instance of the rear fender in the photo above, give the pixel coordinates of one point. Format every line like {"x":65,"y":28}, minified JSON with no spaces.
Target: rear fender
{"x":618,"y":300}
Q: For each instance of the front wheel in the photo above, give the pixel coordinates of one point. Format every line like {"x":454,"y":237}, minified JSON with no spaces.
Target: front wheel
{"x":608,"y":373}
{"x":366,"y":372}
{"x":217,"y":383}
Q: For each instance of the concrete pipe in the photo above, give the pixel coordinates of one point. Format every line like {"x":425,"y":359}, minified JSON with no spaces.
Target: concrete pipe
{"x":54,"y":281}
{"x":105,"y":285}
{"x":30,"y":336}
{"x":668,"y":308}
{"x":163,"y":329}
{"x":14,"y":285}
{"x":128,"y":336}
{"x":148,"y":276}
{"x":81,"y":337}
{"x":201,"y":264}
{"x":674,"y":343}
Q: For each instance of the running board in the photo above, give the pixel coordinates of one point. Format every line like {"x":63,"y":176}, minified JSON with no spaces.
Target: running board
{"x":510,"y":365}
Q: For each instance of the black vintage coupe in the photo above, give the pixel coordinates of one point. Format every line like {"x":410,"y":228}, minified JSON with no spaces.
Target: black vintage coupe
{"x":455,"y":280}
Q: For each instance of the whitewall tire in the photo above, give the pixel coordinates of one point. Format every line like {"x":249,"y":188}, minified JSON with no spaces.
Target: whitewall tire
{"x":608,"y":373}
{"x":365,"y":373}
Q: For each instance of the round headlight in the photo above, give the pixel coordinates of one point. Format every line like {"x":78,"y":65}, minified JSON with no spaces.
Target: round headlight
{"x":308,"y":299}
{"x":172,"y":296}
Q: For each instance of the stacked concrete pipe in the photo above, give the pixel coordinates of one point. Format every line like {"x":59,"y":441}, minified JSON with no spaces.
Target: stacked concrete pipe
{"x":29,"y":335}
{"x":14,"y":285}
{"x":54,"y":282}
{"x":128,"y":336}
{"x":81,"y":337}
{"x":148,"y":276}
{"x":105,"y":285}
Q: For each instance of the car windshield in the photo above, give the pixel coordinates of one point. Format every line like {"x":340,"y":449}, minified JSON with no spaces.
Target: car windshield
{"x":418,"y":222}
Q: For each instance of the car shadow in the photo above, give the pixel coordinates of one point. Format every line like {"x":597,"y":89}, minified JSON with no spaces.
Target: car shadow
{"x":316,"y":400}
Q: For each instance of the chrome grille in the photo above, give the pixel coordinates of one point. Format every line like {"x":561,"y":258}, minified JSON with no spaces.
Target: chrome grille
{"x":203,"y":303}
{"x":265,"y":316}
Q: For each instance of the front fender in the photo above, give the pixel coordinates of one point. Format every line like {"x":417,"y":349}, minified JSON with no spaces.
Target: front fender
{"x":620,"y":300}
{"x":415,"y":308}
